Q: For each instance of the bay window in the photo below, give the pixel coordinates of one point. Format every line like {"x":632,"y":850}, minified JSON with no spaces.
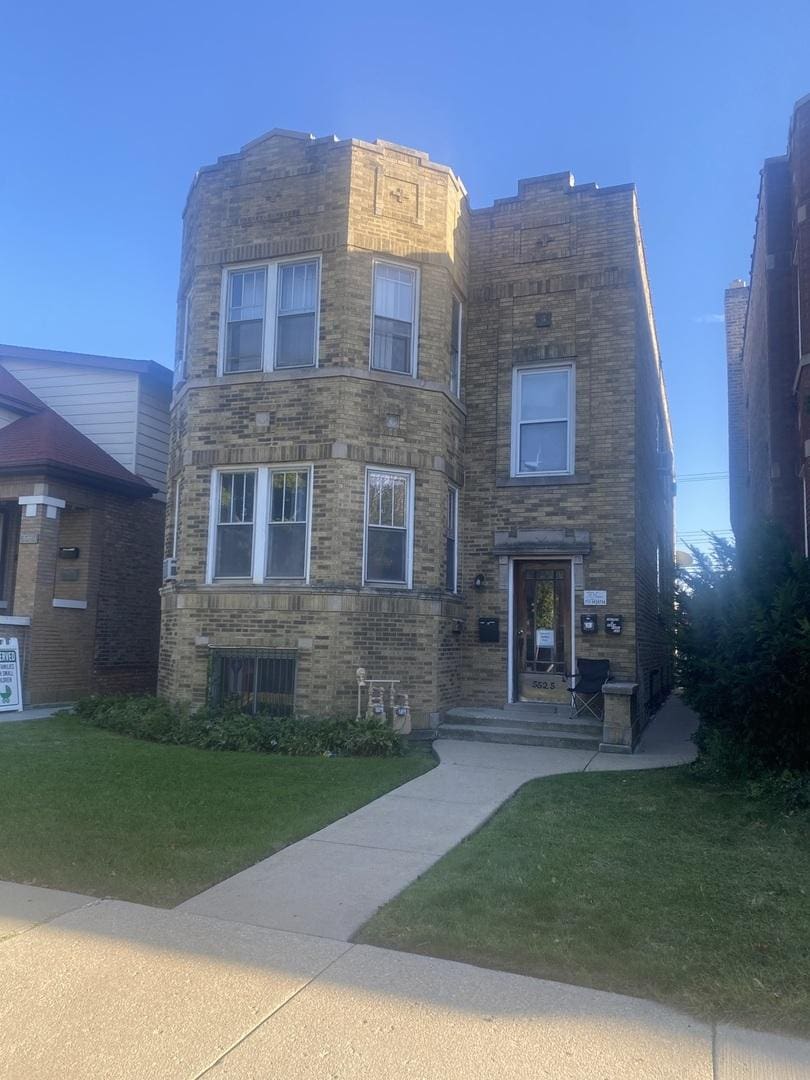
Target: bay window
{"x":260,"y":527}
{"x":542,"y":421}
{"x":393,"y":345}
{"x":455,"y":347}
{"x":389,"y":528}
{"x":270,"y":316}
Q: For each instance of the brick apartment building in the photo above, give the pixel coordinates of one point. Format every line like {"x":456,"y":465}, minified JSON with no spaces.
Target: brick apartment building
{"x":768,"y":350}
{"x":414,"y":438}
{"x":83,"y":449}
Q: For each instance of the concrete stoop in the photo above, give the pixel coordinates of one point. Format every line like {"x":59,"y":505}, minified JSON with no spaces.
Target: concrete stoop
{"x":522,"y":724}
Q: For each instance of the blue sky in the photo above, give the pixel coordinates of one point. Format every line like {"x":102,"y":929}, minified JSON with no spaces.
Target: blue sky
{"x":107,"y":110}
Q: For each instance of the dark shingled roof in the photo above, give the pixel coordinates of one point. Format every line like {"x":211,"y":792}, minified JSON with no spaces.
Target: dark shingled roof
{"x":42,"y":439}
{"x":15,"y":396}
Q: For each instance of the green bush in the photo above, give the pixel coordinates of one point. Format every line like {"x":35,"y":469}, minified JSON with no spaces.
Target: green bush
{"x":228,"y":728}
{"x":743,"y":647}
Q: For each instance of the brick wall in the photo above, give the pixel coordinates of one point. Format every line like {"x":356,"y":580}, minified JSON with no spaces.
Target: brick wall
{"x":111,"y":644}
{"x":571,"y":252}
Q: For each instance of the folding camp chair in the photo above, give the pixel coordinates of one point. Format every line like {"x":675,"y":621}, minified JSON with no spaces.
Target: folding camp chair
{"x":586,"y":687}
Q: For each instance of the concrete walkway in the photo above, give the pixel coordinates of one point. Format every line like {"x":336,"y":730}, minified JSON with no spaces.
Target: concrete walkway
{"x":222,"y":987}
{"x":333,"y":882}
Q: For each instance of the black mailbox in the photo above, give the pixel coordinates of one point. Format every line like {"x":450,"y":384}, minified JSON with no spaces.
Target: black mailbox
{"x":589,"y":624}
{"x":489,"y":630}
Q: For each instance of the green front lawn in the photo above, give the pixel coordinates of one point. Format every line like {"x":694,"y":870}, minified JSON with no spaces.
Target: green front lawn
{"x":93,"y":812}
{"x":646,"y":883}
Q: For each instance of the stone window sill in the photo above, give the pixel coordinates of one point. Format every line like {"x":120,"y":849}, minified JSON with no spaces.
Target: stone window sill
{"x":543,"y":481}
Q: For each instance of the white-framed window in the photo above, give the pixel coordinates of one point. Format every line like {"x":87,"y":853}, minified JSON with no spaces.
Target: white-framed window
{"x":181,"y":363}
{"x":288,"y":528}
{"x":456,"y":317}
{"x":270,"y":316}
{"x":394,"y":330}
{"x":388,"y":533}
{"x":451,"y":540}
{"x":176,"y":517}
{"x":4,"y":558}
{"x":260,"y":524}
{"x":543,"y":421}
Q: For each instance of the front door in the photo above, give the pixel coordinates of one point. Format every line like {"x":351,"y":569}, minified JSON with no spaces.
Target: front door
{"x":542,"y":630}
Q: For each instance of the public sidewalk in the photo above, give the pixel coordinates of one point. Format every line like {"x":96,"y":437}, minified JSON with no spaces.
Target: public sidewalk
{"x":224,"y":986}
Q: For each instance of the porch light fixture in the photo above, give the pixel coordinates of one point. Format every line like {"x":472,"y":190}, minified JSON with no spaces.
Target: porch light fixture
{"x":478,"y":582}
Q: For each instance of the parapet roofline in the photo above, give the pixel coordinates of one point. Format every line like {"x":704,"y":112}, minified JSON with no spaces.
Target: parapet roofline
{"x":379,"y":146}
{"x":559,"y":181}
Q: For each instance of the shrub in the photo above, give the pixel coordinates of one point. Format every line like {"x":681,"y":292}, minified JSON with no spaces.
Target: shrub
{"x":743,"y":646}
{"x":228,"y":728}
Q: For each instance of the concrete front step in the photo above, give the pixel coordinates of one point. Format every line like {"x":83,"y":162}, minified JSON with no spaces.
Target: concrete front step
{"x":528,"y":721}
{"x":518,"y":735}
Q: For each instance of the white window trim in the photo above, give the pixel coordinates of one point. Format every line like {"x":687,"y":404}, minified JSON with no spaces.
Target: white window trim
{"x":175,"y":522}
{"x":270,"y":323}
{"x":180,"y":372}
{"x":517,"y":374}
{"x":417,"y":290}
{"x":455,"y":490}
{"x":456,"y":390}
{"x":261,"y":524}
{"x":409,"y":515}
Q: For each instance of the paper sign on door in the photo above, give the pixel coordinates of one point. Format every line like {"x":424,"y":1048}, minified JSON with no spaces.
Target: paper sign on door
{"x":544,"y":639}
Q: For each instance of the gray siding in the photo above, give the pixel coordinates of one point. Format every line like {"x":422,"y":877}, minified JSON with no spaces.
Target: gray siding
{"x":152,"y":443}
{"x":102,"y":404}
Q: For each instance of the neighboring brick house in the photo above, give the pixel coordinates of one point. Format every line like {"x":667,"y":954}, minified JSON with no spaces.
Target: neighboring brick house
{"x":768,"y":351}
{"x":409,"y":437}
{"x":83,"y":446}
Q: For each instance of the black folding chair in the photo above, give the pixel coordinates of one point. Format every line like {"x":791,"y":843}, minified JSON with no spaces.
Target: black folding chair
{"x":586,"y":687}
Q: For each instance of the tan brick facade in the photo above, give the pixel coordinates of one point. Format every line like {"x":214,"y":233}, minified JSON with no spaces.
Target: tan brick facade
{"x":571,"y":254}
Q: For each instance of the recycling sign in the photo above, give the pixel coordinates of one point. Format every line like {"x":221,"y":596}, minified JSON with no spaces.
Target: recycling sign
{"x":10,"y":694}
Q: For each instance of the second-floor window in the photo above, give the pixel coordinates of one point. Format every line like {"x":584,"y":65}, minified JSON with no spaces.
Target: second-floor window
{"x":271,"y":316}
{"x":542,"y":421}
{"x":260,"y":525}
{"x":455,"y":347}
{"x":393,"y":339}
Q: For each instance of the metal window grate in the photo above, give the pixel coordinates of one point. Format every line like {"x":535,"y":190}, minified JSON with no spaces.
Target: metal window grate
{"x":260,"y":681}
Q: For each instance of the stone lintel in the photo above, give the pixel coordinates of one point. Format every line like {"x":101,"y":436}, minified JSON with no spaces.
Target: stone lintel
{"x":542,"y":542}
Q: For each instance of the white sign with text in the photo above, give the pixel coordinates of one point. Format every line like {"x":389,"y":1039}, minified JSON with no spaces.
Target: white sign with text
{"x":10,"y":691}
{"x":595,"y":598}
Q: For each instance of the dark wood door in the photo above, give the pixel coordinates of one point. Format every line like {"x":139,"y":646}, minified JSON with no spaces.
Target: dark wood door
{"x":542,"y":630}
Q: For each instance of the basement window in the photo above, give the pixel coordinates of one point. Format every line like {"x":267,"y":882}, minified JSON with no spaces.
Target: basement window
{"x":260,"y":682}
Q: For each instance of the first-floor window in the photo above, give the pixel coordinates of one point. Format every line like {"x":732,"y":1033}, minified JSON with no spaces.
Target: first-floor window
{"x":234,"y":539}
{"x":287,"y":531}
{"x":4,"y":528}
{"x":388,"y":527}
{"x":261,"y":529}
{"x":451,"y":541}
